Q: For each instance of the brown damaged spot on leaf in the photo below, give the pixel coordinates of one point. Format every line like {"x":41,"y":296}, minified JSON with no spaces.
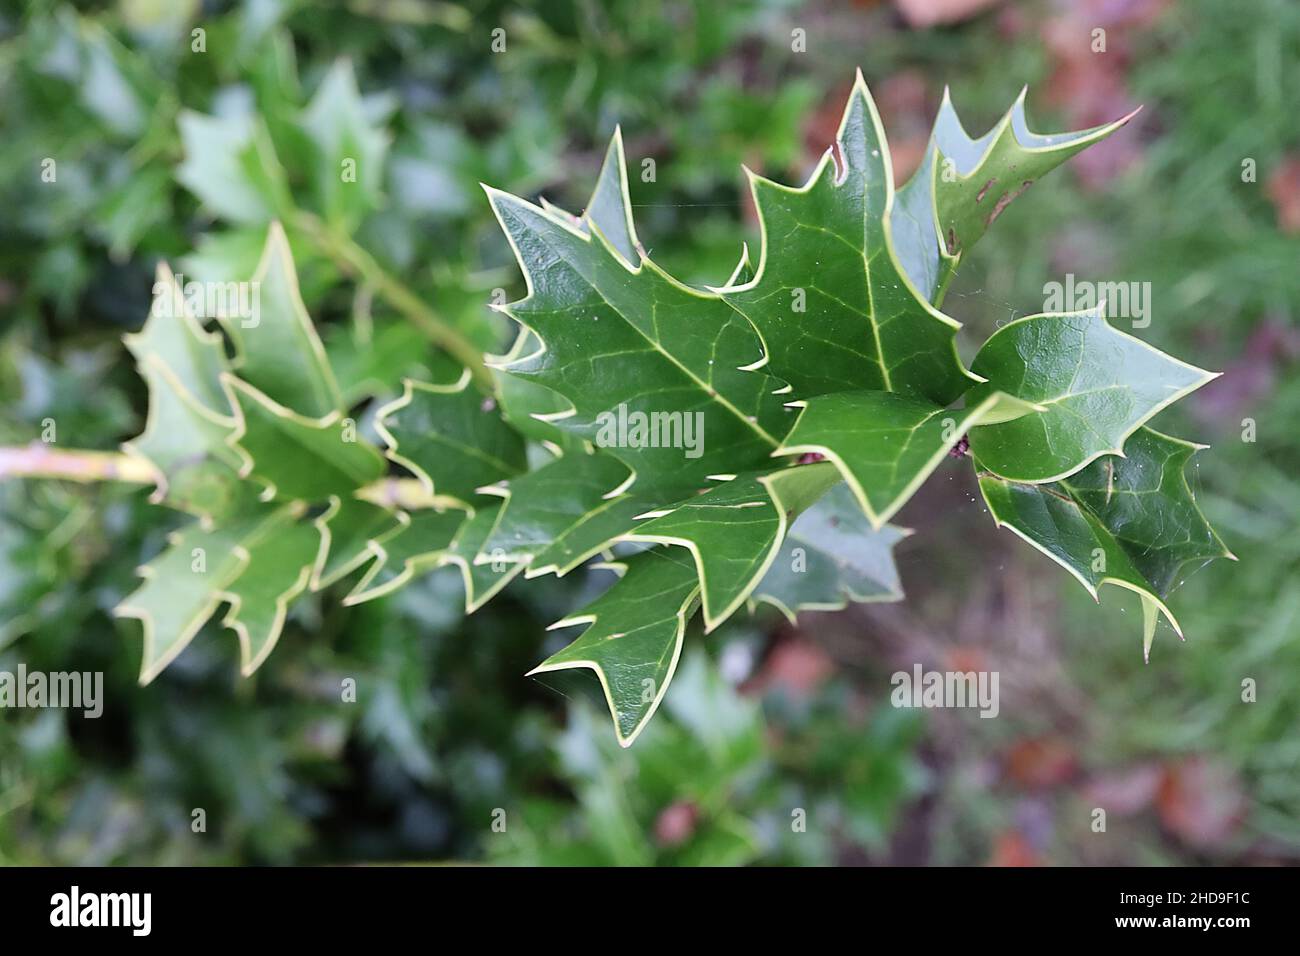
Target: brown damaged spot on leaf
{"x":979,"y":196}
{"x":837,"y":157}
{"x":1005,"y":200}
{"x":952,"y":241}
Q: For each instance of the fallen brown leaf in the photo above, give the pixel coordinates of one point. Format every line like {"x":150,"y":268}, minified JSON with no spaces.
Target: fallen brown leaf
{"x":1284,"y":192}
{"x":1201,"y":801}
{"x":928,"y":13}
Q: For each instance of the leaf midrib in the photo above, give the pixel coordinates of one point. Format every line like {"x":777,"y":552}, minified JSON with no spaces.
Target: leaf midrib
{"x":712,"y":393}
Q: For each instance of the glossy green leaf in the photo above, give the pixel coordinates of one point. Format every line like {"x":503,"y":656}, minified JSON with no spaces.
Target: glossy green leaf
{"x":622,"y":340}
{"x":964,"y":184}
{"x":831,"y":556}
{"x":296,"y":457}
{"x":634,"y":637}
{"x":830,"y":298}
{"x":451,"y":437}
{"x":668,"y":407}
{"x":1087,"y":546}
{"x":279,"y":569}
{"x":589,"y":535}
{"x":346,"y":529}
{"x":744,"y":270}
{"x":417,"y":546}
{"x":188,"y":446}
{"x":1144,"y":500}
{"x":610,"y":206}
{"x":565,"y":505}
{"x":278,"y":350}
{"x":529,"y":407}
{"x":172,"y":334}
{"x":885,"y":445}
{"x":733,"y":531}
{"x":184,"y":584}
{"x":1096,"y":385}
{"x":482,"y":581}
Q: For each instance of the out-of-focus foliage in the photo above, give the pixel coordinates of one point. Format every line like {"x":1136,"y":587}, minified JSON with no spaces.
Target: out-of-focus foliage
{"x":445,"y":730}
{"x":715,"y":792}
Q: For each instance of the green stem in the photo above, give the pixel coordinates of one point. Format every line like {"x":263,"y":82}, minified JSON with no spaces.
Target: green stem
{"x":356,"y":261}
{"x":39,"y":460}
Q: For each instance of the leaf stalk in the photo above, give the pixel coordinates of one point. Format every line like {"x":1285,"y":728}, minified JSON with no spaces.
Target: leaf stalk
{"x":357,"y":262}
{"x":39,"y":460}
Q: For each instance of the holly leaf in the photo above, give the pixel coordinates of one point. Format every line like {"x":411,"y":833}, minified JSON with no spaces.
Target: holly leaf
{"x":451,"y":437}
{"x":197,"y":471}
{"x":296,"y":457}
{"x":1074,"y":538}
{"x":610,"y":206}
{"x":418,"y":545}
{"x":733,"y":531}
{"x":885,"y":445}
{"x":965,"y":184}
{"x":1095,"y":384}
{"x":1145,"y":501}
{"x":347,"y":527}
{"x":174,"y":337}
{"x":528,"y":406}
{"x":589,"y":535}
{"x":398,"y":546}
{"x":229,"y":256}
{"x":744,"y":271}
{"x":835,"y":309}
{"x":1129,"y":521}
{"x":630,"y":340}
{"x":185,"y":583}
{"x":568,"y":510}
{"x":350,"y":149}
{"x":482,"y":581}
{"x":634,"y":636}
{"x":531,"y":408}
{"x":278,"y":571}
{"x":666,"y":406}
{"x":231,"y":166}
{"x":831,"y":556}
{"x":278,"y":349}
